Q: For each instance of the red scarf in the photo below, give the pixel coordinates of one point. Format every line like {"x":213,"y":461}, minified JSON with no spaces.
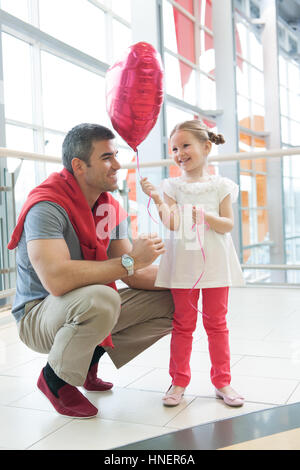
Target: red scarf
{"x":92,"y":227}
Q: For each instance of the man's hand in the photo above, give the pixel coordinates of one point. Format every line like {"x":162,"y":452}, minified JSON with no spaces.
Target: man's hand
{"x":146,"y":249}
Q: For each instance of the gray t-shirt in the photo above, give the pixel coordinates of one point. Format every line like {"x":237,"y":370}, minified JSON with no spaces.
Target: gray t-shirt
{"x":46,"y":220}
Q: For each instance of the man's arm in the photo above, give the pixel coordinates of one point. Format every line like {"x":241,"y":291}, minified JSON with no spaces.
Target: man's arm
{"x":60,"y":274}
{"x":142,"y":278}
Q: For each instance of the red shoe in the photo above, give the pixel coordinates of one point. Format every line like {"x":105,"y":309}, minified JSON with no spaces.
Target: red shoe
{"x":93,"y":384}
{"x":70,"y":401}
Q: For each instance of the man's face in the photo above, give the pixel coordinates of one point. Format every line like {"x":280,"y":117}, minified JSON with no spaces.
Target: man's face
{"x":101,"y":172}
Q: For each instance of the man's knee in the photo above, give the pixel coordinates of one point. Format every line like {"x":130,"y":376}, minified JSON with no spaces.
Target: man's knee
{"x":105,"y":303}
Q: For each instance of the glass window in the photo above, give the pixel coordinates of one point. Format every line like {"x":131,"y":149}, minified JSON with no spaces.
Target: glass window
{"x":243,"y":111}
{"x":185,"y":35}
{"x":122,"y":8}
{"x":20,"y":138}
{"x":205,"y":11}
{"x":174,"y":69}
{"x":53,"y":147}
{"x":71,"y":94}
{"x":243,"y":39}
{"x":295,"y":165}
{"x":122,"y":38}
{"x":283,"y":100}
{"x":256,"y":51}
{"x":17,"y":79}
{"x":176,"y":115}
{"x":18,"y":8}
{"x":170,"y":41}
{"x":295,"y":133}
{"x":85,"y":25}
{"x":207,"y":92}
{"x":286,"y":166}
{"x":293,"y":77}
{"x":242,"y":79}
{"x":207,"y":55}
{"x":254,"y":10}
{"x":294,"y":106}
{"x":282,"y":70}
{"x":293,"y":47}
{"x":258,"y":113}
{"x":257,"y":86}
{"x":285,"y":132}
{"x":188,"y":5}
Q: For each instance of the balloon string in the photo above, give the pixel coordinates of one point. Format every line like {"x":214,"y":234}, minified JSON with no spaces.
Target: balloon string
{"x":204,"y":261}
{"x":140,"y":176}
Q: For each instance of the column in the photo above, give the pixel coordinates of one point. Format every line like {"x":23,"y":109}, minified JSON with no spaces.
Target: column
{"x":224,"y":43}
{"x":273,"y":126}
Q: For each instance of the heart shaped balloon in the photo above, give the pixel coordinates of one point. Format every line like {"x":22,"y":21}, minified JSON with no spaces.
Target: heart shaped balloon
{"x":134,"y":93}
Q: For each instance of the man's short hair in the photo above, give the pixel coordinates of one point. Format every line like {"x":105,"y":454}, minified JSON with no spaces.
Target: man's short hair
{"x":78,"y":143}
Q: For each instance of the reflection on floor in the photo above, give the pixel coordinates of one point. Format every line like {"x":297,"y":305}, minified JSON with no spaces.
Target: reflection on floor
{"x":264,"y":326}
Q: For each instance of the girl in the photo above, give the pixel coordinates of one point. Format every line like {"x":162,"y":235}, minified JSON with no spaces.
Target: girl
{"x":197,"y":209}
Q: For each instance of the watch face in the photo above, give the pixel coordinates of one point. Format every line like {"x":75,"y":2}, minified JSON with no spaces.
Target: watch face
{"x":127,"y":261}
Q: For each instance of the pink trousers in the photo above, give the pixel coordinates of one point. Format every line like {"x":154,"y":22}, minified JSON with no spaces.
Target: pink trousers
{"x":214,"y":310}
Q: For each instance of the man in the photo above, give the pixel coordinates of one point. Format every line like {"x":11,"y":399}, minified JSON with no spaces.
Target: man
{"x":72,"y":246}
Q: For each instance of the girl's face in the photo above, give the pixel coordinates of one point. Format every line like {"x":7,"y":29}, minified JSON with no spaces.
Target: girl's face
{"x":188,"y":152}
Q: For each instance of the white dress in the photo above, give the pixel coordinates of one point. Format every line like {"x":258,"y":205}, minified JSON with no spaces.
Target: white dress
{"x":183,"y":262}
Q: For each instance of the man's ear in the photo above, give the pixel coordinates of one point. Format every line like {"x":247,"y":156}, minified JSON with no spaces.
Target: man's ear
{"x":78,"y":166}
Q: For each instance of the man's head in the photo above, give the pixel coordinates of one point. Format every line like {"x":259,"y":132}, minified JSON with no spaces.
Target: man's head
{"x":78,"y":143}
{"x":90,"y":154}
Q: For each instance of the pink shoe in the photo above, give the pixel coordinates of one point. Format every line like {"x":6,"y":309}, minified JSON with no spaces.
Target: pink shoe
{"x":94,"y":384}
{"x":70,"y":401}
{"x":230,"y":401}
{"x":172,"y":399}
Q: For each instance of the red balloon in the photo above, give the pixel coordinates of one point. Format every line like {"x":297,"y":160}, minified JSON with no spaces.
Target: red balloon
{"x":134,"y":93}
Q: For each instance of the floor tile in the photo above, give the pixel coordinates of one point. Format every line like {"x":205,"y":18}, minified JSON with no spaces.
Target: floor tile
{"x":135,"y":406}
{"x":264,"y":389}
{"x":15,"y":355}
{"x":244,"y":347}
{"x":159,"y":380}
{"x":152,"y":357}
{"x":97,"y":434}
{"x":22,"y":428}
{"x":200,"y":361}
{"x":13,"y":388}
{"x":8,"y":335}
{"x":30,"y":368}
{"x":267,"y":367}
{"x":295,"y":396}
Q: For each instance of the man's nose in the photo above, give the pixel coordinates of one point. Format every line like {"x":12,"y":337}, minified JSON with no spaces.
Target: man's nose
{"x":116,"y":165}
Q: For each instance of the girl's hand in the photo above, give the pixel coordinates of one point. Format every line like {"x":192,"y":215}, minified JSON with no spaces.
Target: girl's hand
{"x":198,"y":215}
{"x":149,"y":189}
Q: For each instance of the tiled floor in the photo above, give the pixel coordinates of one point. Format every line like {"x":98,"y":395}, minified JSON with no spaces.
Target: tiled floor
{"x":264,"y":328}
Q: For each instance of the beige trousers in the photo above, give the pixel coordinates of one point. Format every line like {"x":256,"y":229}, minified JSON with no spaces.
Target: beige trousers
{"x":69,"y":327}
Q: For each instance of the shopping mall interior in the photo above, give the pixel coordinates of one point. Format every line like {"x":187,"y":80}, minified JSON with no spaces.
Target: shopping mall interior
{"x":234,"y":65}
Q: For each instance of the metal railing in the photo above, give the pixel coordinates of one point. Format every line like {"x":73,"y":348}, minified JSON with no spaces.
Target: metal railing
{"x":268,"y":154}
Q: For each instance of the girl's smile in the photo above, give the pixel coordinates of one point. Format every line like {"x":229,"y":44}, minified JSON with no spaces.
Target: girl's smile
{"x":189,"y":152}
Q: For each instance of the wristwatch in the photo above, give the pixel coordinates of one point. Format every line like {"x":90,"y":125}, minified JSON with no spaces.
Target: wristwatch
{"x":128,"y":264}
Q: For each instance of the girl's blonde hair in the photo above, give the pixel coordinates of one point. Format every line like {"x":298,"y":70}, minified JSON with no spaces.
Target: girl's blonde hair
{"x":200,"y":130}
